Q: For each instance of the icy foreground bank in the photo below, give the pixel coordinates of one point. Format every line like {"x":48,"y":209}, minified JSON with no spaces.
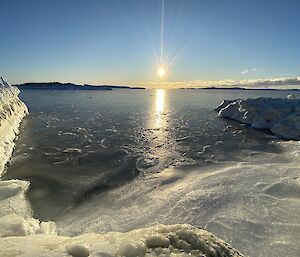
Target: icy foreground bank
{"x":22,"y":235}
{"x":12,"y":111}
{"x":280,"y":116}
{"x":173,"y":240}
{"x":15,"y":212}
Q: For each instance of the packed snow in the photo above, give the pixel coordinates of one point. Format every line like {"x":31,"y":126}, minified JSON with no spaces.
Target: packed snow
{"x":23,"y":235}
{"x":253,"y":205}
{"x":280,"y":116}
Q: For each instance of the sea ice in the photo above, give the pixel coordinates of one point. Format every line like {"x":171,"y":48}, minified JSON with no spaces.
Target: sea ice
{"x":22,"y":235}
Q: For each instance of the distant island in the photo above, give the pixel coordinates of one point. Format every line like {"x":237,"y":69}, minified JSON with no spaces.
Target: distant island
{"x":240,"y":88}
{"x":69,"y":86}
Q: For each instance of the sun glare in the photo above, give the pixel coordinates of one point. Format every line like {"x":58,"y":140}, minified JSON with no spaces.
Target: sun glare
{"x":161,"y":72}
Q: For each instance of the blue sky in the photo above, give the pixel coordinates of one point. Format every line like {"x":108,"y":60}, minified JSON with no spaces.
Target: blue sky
{"x":118,"y":41}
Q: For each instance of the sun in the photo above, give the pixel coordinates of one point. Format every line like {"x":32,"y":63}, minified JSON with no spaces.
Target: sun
{"x":161,"y":72}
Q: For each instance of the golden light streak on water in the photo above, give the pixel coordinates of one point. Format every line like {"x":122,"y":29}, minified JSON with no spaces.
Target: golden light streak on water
{"x":160,"y":100}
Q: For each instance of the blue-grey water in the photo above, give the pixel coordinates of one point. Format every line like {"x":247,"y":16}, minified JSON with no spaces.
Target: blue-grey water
{"x":78,"y":148}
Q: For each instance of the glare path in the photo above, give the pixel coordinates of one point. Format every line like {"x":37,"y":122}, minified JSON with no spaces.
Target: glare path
{"x":160,"y":100}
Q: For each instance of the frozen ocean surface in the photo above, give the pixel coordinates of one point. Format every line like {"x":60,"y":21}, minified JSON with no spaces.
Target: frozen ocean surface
{"x":122,"y":160}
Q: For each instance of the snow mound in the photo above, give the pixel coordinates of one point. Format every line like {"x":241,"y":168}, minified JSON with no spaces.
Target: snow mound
{"x":287,"y":188}
{"x":172,"y":240}
{"x":280,"y":116}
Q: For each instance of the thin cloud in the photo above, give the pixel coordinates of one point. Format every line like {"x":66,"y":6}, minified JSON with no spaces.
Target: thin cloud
{"x":251,"y":70}
{"x":268,"y":83}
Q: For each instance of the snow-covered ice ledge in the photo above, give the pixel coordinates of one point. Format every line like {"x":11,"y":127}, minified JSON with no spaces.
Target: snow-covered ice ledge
{"x":22,"y":235}
{"x":172,"y":240}
{"x":280,"y":116}
{"x":12,"y":111}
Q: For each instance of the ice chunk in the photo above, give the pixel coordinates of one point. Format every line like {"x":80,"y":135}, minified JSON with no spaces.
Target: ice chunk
{"x":15,"y":212}
{"x":48,"y":228}
{"x":15,"y":225}
{"x":12,"y":187}
{"x":280,"y":116}
{"x":291,"y":96}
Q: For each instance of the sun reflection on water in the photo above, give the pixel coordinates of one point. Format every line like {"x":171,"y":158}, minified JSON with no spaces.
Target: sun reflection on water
{"x":160,"y":100}
{"x":161,"y":145}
